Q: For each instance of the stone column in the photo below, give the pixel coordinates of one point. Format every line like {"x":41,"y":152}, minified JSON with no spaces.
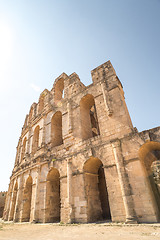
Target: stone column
{"x":17,"y":155}
{"x":44,"y":206}
{"x":33,"y":198}
{"x":35,"y":215}
{"x":106,"y":98}
{"x":124,"y":183}
{"x":69,"y":109}
{"x":28,"y":142}
{"x":22,"y":202}
{"x":43,"y":131}
{"x":69,"y":189}
{"x":16,"y":206}
{"x":18,"y":200}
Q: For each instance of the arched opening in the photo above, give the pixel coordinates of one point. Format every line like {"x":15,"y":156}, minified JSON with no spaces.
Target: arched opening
{"x":150,"y":156}
{"x":52,"y":213}
{"x":35,"y":140}
{"x":23,"y":148}
{"x":96,"y":191}
{"x":89,"y":121}
{"x":155,"y":167}
{"x":13,"y":204}
{"x":27,"y":197}
{"x":56,"y":129}
{"x":59,"y":90}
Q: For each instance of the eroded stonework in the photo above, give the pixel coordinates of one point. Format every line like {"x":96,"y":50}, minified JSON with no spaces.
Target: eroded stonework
{"x":79,"y":159}
{"x":2,"y":202}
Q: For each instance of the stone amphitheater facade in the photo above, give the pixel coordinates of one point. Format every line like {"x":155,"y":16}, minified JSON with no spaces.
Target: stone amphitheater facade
{"x":79,"y":158}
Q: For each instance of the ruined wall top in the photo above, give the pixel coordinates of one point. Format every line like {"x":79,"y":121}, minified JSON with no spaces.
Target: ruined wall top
{"x":65,"y":87}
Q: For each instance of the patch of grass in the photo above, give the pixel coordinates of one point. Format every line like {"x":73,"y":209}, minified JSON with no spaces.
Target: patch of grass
{"x":145,"y":234}
{"x":61,"y":223}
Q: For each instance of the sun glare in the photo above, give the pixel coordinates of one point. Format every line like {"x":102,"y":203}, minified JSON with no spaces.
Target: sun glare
{"x":6,"y":41}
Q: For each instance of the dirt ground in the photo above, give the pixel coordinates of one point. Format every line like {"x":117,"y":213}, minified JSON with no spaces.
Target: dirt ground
{"x":26,"y":231}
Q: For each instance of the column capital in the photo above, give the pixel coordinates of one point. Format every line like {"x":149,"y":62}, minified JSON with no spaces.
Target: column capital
{"x":69,"y":160}
{"x":116,"y":143}
{"x":38,"y":169}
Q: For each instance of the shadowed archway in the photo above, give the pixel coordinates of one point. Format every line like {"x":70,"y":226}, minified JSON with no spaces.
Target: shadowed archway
{"x":35,"y":142}
{"x":56,"y":129}
{"x":89,"y":120}
{"x":96,"y":191}
{"x":149,"y":154}
{"x":27,"y":197}
{"x":52,"y":209}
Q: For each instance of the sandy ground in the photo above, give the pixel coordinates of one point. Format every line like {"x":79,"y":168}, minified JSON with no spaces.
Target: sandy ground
{"x":26,"y":231}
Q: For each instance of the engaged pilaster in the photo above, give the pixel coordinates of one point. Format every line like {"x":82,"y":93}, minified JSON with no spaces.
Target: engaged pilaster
{"x":69,"y":189}
{"x":69,"y":109}
{"x":106,"y":98}
{"x":124,"y":183}
{"x":18,"y":200}
{"x":35,"y":208}
{"x":43,"y":131}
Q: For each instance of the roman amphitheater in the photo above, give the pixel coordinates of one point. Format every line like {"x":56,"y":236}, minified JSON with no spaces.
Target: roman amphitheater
{"x":79,"y":158}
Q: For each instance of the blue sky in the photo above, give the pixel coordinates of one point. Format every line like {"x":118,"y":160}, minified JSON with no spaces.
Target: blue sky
{"x":40,"y":39}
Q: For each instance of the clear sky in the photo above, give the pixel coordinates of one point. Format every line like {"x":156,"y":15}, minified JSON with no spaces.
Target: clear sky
{"x":40,"y":39}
